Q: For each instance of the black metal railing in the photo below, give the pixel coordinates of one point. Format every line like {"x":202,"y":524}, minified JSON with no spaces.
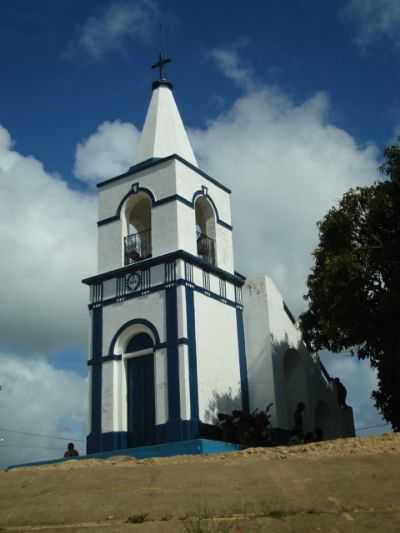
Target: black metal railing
{"x":137,"y":247}
{"x":206,"y":248}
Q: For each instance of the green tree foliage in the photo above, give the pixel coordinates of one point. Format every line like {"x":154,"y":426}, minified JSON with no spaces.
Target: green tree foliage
{"x":354,"y":287}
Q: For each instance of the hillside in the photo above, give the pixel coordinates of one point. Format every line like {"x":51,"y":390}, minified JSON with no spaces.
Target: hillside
{"x":347,"y":485}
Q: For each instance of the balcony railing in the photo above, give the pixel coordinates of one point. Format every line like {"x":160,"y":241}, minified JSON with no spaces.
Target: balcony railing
{"x":137,"y":247}
{"x":206,"y":248}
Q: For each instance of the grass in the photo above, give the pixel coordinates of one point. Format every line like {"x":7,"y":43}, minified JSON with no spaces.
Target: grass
{"x":137,"y":518}
{"x":201,"y":525}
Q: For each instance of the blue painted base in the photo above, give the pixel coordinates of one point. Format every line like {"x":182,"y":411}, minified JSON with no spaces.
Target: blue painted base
{"x":184,"y":447}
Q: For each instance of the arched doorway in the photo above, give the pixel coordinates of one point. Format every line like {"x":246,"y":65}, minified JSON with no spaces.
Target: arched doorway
{"x":139,"y":357}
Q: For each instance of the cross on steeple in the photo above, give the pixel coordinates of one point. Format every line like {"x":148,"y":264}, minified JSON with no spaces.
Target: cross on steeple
{"x":160,"y":64}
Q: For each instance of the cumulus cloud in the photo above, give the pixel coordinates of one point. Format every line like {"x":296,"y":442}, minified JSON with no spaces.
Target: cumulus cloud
{"x":47,"y":233}
{"x":111,"y":27}
{"x":37,"y":398}
{"x":108,"y":152}
{"x":230,"y":64}
{"x":287,"y":164}
{"x":374,"y":19}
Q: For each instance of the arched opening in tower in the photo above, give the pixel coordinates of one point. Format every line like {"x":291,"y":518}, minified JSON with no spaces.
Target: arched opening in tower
{"x":205,"y":230}
{"x":137,"y":239}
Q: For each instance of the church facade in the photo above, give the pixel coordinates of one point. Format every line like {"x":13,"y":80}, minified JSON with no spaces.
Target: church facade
{"x":177,"y":335}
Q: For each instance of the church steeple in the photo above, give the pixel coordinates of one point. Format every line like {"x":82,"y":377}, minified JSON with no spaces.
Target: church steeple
{"x":163,"y":132}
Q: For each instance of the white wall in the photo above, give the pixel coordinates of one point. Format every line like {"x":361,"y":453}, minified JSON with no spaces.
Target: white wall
{"x":258,"y":348}
{"x":269,"y":334}
{"x":188,"y":182}
{"x":160,"y":179}
{"x":151,"y":307}
{"x":109,"y":246}
{"x":217,"y":350}
{"x":173,"y":224}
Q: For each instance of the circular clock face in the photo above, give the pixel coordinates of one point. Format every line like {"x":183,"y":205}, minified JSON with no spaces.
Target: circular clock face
{"x":133,"y":281}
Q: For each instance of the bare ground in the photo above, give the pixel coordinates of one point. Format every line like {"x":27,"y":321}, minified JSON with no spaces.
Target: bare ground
{"x":346,"y":485}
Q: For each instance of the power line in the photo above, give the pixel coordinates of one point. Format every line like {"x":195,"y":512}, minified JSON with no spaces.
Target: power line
{"x":372,"y":427}
{"x":30,"y":447}
{"x":40,"y":435}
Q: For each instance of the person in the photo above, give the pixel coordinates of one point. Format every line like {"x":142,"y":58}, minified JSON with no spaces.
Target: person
{"x":341,"y":393}
{"x":298,"y":419}
{"x":71,"y":452}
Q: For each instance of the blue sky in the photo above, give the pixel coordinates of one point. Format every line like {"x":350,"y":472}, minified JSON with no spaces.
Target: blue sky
{"x":303,"y":93}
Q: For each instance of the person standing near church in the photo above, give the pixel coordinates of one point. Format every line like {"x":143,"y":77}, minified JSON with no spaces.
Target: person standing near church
{"x":341,"y":393}
{"x":71,"y":452}
{"x":298,"y":420}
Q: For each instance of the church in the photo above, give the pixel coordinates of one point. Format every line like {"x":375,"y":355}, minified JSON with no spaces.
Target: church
{"x":176,"y":334}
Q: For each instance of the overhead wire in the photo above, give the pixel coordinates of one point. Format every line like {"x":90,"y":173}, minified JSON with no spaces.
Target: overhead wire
{"x":47,"y":436}
{"x":29,"y":447}
{"x":372,"y":427}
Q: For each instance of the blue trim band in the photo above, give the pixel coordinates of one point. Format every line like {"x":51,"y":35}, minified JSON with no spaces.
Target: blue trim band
{"x":191,"y":327}
{"x":156,"y":203}
{"x":133,"y":192}
{"x":157,"y":161}
{"x":161,"y":83}
{"x":141,"y":321}
{"x":200,"y":193}
{"x":161,"y":287}
{"x":242,"y":360}
{"x":166,"y":258}
{"x":97,"y":334}
{"x":171,"y":313}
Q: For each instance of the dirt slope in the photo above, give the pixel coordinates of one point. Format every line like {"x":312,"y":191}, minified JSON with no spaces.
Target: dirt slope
{"x":347,"y":485}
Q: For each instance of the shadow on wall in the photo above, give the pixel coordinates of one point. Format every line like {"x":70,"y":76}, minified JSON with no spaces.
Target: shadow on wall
{"x":299,"y":377}
{"x":290,"y":380}
{"x":225,"y":402}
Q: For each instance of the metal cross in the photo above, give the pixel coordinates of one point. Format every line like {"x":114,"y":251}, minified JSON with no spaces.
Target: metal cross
{"x":160,"y":64}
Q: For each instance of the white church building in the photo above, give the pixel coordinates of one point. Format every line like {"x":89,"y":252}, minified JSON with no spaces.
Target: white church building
{"x":175,"y":332}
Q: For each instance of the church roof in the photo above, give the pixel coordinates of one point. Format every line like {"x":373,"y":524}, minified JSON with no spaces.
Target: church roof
{"x":163,"y":132}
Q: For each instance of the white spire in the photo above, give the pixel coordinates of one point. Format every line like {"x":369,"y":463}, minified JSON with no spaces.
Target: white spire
{"x":163,"y":132}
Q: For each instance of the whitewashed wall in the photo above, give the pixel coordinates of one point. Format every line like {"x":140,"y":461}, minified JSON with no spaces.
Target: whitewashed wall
{"x":173,"y":224}
{"x":269,"y":334}
{"x":258,"y":348}
{"x":159,"y":179}
{"x":188,"y":182}
{"x":217,"y":351}
{"x":150,"y":307}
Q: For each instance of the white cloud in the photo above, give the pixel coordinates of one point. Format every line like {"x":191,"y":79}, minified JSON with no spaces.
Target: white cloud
{"x":37,"y":398}
{"x":47,"y":235}
{"x":230,"y":64}
{"x":287,"y":164}
{"x":108,"y":152}
{"x":374,"y":19}
{"x":110,"y":28}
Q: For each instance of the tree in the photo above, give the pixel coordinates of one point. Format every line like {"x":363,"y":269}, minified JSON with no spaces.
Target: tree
{"x":354,"y":287}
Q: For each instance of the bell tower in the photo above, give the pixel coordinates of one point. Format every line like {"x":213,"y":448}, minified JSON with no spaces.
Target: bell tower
{"x":166,"y":316}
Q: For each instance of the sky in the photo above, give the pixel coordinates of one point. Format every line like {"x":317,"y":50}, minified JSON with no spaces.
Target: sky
{"x":289,"y":103}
